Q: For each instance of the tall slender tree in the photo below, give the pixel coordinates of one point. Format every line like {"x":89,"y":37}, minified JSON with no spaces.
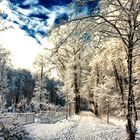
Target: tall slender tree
{"x":40,"y":94}
{"x":4,"y":62}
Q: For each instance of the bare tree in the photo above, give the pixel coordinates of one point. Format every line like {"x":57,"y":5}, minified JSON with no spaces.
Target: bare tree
{"x":121,"y":19}
{"x":70,"y":56}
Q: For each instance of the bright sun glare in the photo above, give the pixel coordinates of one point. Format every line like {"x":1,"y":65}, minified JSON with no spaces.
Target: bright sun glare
{"x":24,"y":49}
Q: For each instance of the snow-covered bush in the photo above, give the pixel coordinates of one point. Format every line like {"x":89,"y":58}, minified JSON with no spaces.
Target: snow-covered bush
{"x":22,"y":106}
{"x":10,"y":129}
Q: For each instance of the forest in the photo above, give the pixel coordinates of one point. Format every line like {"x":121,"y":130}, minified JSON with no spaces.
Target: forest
{"x":20,"y":86}
{"x":97,"y":61}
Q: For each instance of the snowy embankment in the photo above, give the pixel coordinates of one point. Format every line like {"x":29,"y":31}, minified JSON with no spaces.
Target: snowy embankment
{"x":84,"y":127}
{"x":122,"y":123}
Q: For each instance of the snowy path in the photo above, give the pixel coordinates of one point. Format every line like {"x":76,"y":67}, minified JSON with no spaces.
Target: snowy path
{"x":84,"y":127}
{"x":92,"y":128}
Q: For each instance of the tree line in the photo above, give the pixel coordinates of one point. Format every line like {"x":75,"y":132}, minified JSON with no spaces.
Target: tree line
{"x":20,"y":86}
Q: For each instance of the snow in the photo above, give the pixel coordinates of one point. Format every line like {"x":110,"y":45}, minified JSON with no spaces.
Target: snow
{"x":83,"y":127}
{"x":92,"y":128}
{"x":40,"y":131}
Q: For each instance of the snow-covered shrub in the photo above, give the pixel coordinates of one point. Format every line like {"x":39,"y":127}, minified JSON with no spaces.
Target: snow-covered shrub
{"x":37,"y":106}
{"x":22,"y":106}
{"x":10,"y":129}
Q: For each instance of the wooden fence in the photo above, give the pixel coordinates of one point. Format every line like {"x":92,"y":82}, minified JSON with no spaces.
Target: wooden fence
{"x":25,"y":118}
{"x":29,"y":117}
{"x":22,"y":118}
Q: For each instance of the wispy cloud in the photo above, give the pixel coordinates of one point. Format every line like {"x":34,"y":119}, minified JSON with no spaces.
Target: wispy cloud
{"x":37,"y":16}
{"x":30,"y":2}
{"x":56,"y":12}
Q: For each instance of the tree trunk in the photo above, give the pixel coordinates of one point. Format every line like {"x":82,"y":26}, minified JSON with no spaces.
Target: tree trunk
{"x":119,"y":82}
{"x":91,"y":102}
{"x":76,"y":91}
{"x":77,"y":104}
{"x":94,"y":98}
{"x":96,"y":108}
{"x":131,"y":129}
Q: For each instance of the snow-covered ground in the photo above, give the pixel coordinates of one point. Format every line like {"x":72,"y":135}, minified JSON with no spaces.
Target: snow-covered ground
{"x":84,"y":127}
{"x":39,"y":131}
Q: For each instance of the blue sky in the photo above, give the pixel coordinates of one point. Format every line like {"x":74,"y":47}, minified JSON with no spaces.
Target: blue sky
{"x":36,"y":16}
{"x":31,"y":19}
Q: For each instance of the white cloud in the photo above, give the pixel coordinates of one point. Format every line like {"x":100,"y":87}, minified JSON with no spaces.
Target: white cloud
{"x":57,"y":10}
{"x":4,"y":7}
{"x":4,"y":4}
{"x":30,"y":2}
{"x":23,"y":11}
{"x":51,"y":19}
{"x":24,"y":48}
{"x":39,"y":9}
